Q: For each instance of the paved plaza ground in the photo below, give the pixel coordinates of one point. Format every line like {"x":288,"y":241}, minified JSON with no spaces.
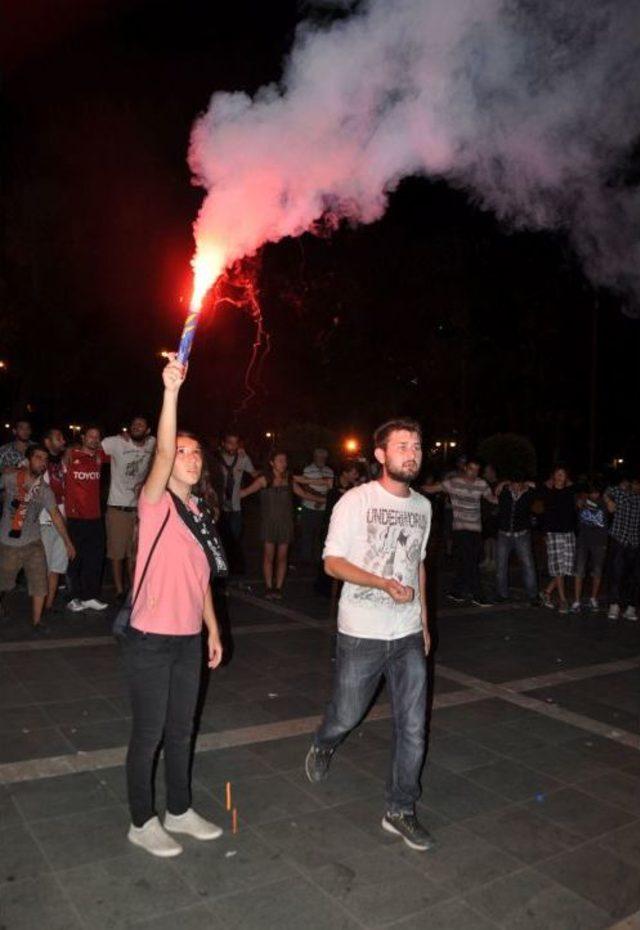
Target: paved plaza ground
{"x":531,"y":788}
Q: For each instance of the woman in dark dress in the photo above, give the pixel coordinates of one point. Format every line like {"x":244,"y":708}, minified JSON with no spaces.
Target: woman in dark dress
{"x":276,"y":489}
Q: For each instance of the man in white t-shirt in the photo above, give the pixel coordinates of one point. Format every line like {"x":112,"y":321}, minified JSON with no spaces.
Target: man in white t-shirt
{"x":233,"y":464}
{"x":130,"y":455}
{"x":376,"y":545}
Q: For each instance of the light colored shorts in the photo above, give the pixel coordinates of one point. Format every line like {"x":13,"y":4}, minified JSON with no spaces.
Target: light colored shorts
{"x":32,"y":559}
{"x":120,"y":526}
{"x":54,"y":550}
{"x":561,"y":553}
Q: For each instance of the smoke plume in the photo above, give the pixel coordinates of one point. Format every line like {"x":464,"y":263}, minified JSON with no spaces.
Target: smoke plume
{"x":533,"y":106}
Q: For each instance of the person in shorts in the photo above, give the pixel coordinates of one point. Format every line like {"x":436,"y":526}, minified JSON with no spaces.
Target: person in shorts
{"x":559,"y":498}
{"x":130,"y":457}
{"x":21,"y":548}
{"x":54,"y":547}
{"x":591,"y":545}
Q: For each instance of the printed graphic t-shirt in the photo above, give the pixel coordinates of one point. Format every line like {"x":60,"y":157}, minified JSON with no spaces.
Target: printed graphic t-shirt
{"x":593,"y":523}
{"x":38,"y":498}
{"x":82,"y":485}
{"x":129,"y":467}
{"x":386,"y":535}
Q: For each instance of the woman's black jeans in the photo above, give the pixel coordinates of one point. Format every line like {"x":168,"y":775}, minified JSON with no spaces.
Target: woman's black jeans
{"x":163,"y":674}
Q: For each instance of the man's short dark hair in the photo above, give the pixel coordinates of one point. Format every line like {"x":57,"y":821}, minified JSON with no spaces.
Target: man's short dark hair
{"x":381,"y":435}
{"x":228,"y":433}
{"x":139,"y":416}
{"x":20,"y":420}
{"x":48,"y":433}
{"x":87,"y":426}
{"x":36,"y":447}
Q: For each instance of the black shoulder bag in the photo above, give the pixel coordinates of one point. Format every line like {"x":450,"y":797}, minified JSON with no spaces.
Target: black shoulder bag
{"x":123,"y":617}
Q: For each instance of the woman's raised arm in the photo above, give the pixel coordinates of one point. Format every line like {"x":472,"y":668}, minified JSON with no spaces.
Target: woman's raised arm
{"x":173,"y":377}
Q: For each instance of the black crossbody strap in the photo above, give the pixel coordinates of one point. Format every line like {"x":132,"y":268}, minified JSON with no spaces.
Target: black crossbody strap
{"x":151,"y":551}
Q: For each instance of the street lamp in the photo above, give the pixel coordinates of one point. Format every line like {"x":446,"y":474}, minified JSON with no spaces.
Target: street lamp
{"x":351,"y":445}
{"x":445,"y":445}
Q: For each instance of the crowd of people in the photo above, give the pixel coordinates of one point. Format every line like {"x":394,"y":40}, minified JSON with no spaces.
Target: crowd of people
{"x":52,"y":525}
{"x":589,"y":528}
{"x":168,"y":516}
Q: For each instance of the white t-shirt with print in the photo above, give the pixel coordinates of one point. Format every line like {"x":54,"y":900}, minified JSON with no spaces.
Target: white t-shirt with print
{"x":386,"y":535}
{"x":129,"y":466}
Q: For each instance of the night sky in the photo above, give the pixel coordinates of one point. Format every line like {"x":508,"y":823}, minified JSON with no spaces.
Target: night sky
{"x":435,"y":311}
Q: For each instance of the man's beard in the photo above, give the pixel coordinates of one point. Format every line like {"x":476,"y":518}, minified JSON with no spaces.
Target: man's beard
{"x":402,"y":476}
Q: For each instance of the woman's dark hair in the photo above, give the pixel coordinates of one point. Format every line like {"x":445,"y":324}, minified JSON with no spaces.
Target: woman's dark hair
{"x":268,"y":471}
{"x":204,"y":488}
{"x":36,"y":447}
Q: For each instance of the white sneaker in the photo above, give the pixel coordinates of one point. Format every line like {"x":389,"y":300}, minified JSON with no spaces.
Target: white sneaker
{"x":94,"y":604}
{"x":593,"y":605}
{"x":193,"y":825}
{"x":576,"y":607}
{"x":614,"y":612}
{"x":75,"y":605}
{"x":155,"y":839}
{"x":630,"y":613}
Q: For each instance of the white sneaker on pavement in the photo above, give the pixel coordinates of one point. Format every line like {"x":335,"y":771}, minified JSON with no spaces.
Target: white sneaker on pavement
{"x":593,"y":604}
{"x":614,"y":612}
{"x":94,"y":604}
{"x":576,"y":607}
{"x":155,"y":839}
{"x":75,"y":605}
{"x":630,"y":613}
{"x":193,"y":825}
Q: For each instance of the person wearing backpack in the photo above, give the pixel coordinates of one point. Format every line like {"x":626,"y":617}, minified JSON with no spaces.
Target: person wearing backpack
{"x":178,"y":552}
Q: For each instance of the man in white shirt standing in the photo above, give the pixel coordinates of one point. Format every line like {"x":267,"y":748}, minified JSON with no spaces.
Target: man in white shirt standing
{"x":312,"y":516}
{"x":233,"y":464}
{"x":376,"y":545}
{"x":130,"y":455}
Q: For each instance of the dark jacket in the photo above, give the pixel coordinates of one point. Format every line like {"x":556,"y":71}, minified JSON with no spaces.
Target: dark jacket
{"x":514,"y":516}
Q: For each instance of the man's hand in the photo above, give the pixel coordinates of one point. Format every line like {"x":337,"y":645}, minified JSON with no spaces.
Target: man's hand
{"x":427,"y":642}
{"x":215,"y":650}
{"x":401,"y":594}
{"x":71,"y":551}
{"x":173,"y":374}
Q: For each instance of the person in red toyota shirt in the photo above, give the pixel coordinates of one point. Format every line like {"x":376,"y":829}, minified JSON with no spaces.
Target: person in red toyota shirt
{"x":83,"y":467}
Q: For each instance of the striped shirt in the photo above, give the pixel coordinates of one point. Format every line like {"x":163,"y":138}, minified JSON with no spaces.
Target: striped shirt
{"x":465,"y":500}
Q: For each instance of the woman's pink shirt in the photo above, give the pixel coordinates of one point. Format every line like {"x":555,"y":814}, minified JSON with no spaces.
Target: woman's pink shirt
{"x":171,"y":601}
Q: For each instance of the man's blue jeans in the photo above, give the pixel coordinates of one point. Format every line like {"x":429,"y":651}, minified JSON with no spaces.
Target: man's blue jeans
{"x":360,"y":666}
{"x":521,"y":544}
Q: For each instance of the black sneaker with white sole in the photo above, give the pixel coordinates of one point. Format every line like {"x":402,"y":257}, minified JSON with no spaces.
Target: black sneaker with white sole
{"x":455,"y":598}
{"x":410,"y":829}
{"x":317,"y":763}
{"x":481,"y":602}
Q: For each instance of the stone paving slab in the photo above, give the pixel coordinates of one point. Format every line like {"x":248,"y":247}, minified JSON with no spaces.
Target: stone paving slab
{"x":524,"y":800}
